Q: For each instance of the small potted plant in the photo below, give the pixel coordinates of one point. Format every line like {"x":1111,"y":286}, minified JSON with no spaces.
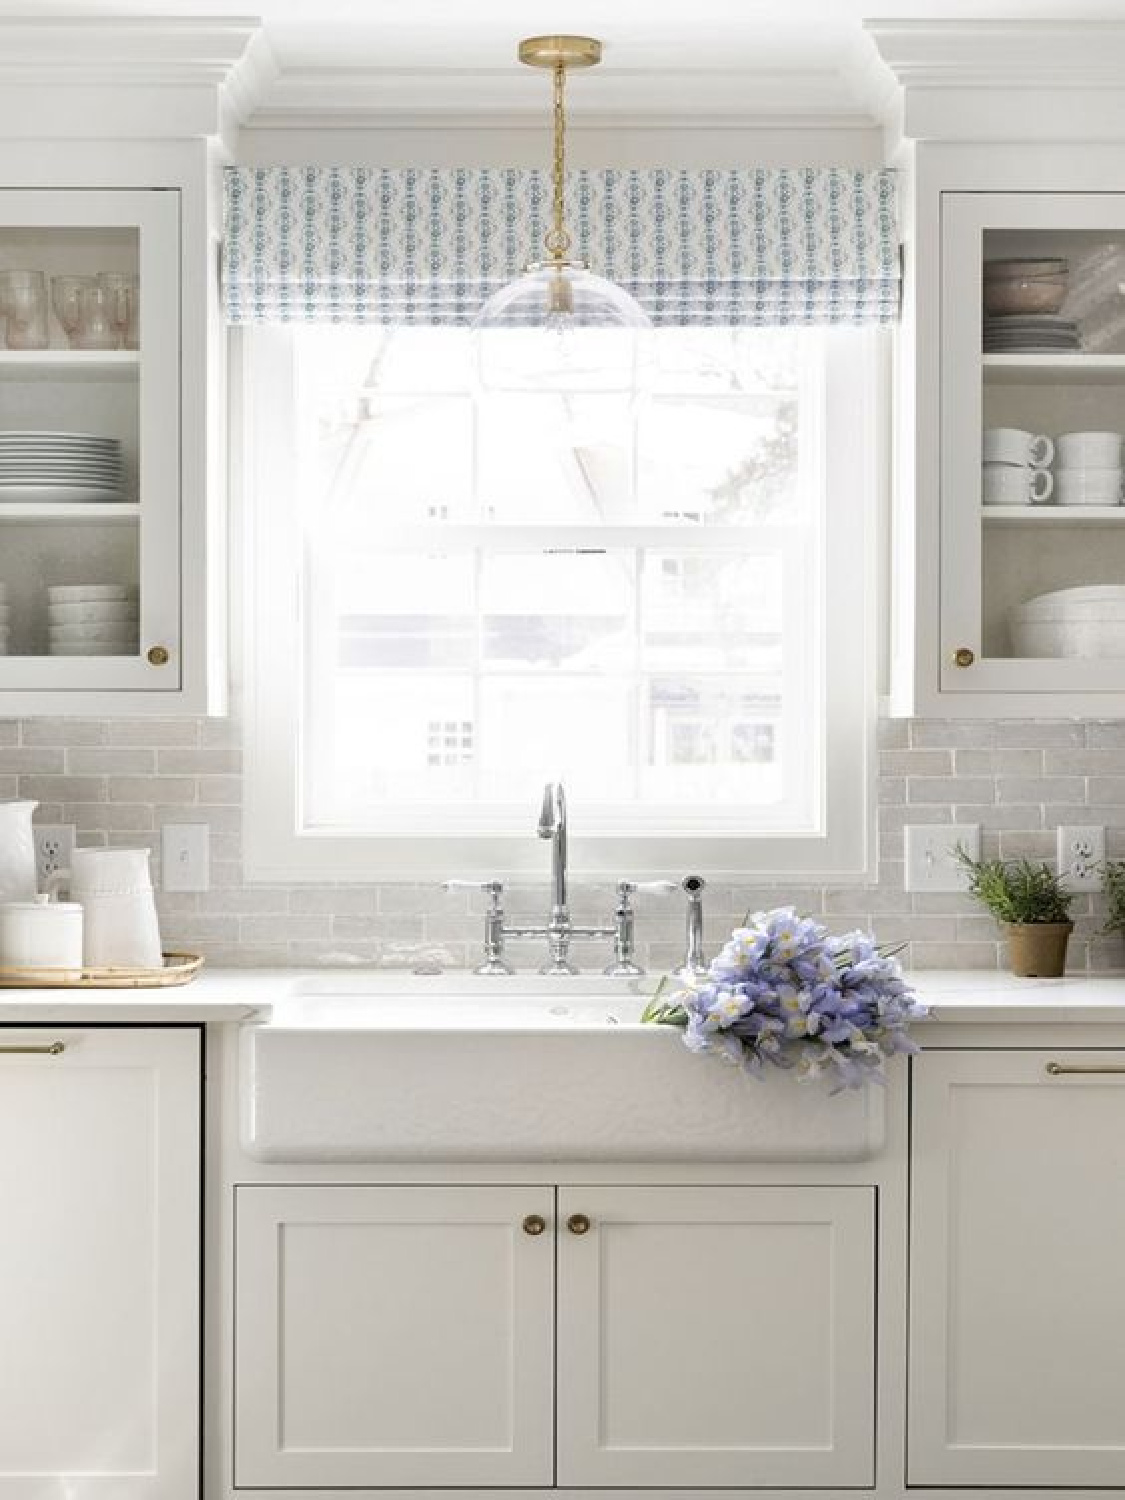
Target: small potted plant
{"x":1114,"y":874}
{"x":1033,"y":907}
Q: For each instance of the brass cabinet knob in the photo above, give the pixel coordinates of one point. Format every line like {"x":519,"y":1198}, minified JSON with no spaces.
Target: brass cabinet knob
{"x":158,"y":655}
{"x":534,"y":1224}
{"x":578,"y":1224}
{"x":963,"y":657}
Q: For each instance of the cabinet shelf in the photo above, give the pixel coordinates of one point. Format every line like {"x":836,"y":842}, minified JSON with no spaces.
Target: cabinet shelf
{"x":1053,"y":369}
{"x":99,"y":513}
{"x":1053,"y":515}
{"x":69,"y":364}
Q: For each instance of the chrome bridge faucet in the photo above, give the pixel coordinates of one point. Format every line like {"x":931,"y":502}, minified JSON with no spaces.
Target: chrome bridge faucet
{"x":559,"y":930}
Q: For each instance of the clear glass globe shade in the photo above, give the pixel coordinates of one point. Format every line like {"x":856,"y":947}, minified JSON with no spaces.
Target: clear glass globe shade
{"x":559,"y":328}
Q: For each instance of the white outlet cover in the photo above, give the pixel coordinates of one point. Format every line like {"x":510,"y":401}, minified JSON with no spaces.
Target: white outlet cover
{"x":185,"y":863}
{"x":1081,"y":855}
{"x":931,"y":860}
{"x":54,"y":844}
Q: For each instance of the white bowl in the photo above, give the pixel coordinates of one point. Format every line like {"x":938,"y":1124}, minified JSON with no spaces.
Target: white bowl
{"x":111,"y":630}
{"x":1088,"y":638}
{"x":121,"y":646}
{"x":1062,"y":604}
{"x":97,"y":613}
{"x":89,"y":593}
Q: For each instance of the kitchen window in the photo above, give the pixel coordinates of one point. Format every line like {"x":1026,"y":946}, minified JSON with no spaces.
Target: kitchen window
{"x":661,"y":595}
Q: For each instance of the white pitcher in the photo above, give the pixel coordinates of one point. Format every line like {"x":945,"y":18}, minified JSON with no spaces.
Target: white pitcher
{"x":17,"y":851}
{"x":114,"y":888}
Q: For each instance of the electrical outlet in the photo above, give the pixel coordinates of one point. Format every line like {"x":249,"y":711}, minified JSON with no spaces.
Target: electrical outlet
{"x":54,"y":844}
{"x":931,"y":855}
{"x":186,"y":857}
{"x":1081,"y":855}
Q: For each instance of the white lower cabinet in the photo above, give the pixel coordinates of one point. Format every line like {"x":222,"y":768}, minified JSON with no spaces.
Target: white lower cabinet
{"x":1017,"y":1325}
{"x":395,"y":1336}
{"x":404,"y":1336}
{"x":99,"y":1263}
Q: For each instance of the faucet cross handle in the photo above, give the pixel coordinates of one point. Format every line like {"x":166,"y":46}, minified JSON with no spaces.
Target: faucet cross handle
{"x":493,"y":961}
{"x":624,"y":962}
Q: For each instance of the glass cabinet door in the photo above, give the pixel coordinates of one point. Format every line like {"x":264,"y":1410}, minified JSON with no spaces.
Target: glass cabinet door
{"x":1033,"y":417}
{"x":89,"y":441}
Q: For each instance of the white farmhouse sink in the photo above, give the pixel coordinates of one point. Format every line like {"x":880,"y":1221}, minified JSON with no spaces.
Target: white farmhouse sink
{"x":459,"y":1068}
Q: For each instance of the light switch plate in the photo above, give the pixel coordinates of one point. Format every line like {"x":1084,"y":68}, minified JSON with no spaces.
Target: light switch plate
{"x":185,"y":850}
{"x":931,"y":860}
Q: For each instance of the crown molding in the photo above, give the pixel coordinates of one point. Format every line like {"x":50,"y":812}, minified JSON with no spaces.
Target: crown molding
{"x":152,"y":77}
{"x":995,"y":80}
{"x":314,"y":98}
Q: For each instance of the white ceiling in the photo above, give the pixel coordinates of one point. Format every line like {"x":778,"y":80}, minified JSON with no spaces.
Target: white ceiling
{"x":677,"y":57}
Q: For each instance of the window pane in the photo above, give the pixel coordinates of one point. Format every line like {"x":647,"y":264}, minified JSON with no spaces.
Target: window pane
{"x":557,"y":458}
{"x":565,"y":611}
{"x":399,"y":610}
{"x":713,"y":737}
{"x":703,"y":611}
{"x":536,"y":728}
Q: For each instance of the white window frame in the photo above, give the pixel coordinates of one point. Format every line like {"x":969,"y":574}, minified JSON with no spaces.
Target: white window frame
{"x":268,"y":571}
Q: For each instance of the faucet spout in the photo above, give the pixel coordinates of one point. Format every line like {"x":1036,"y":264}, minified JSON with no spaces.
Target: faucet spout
{"x":552,"y":825}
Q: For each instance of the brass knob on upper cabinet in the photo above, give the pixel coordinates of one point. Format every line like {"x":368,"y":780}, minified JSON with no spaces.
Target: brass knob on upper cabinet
{"x":963,"y":657}
{"x":534,"y":1224}
{"x":158,"y":655}
{"x":578,"y":1224}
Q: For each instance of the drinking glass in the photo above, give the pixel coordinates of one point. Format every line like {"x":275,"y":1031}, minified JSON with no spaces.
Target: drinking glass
{"x":23,"y":296}
{"x":122,"y":289}
{"x":66,"y":299}
{"x":95,"y":318}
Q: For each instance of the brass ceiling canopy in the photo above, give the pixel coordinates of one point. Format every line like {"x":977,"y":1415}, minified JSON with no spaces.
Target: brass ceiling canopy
{"x":560,"y":51}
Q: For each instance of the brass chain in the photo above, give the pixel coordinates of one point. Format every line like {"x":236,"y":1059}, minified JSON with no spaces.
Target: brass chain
{"x":558,"y":241}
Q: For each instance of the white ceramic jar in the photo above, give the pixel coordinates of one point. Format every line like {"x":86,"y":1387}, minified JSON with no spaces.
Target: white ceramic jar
{"x":17,"y":851}
{"x":41,"y":934}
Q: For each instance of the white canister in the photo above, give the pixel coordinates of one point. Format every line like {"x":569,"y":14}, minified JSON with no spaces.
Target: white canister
{"x":41,"y":934}
{"x":17,"y":851}
{"x":114,"y":888}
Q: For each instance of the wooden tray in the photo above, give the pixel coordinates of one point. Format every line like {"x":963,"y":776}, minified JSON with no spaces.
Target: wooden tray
{"x":179,"y":968}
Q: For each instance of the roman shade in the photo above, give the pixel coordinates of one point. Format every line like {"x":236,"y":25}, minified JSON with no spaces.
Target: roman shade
{"x":753,"y":246}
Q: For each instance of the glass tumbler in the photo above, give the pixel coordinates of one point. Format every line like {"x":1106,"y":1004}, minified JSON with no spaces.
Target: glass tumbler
{"x":123,"y":289}
{"x":23,"y":297}
{"x":66,"y":299}
{"x":96,"y":328}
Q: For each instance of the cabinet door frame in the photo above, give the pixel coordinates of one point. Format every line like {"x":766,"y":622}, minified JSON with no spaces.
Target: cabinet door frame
{"x":934,"y":1459}
{"x":586,"y":1460}
{"x":156,"y":215}
{"x":261,"y":1459}
{"x":965,"y":217}
{"x":173,"y":1057}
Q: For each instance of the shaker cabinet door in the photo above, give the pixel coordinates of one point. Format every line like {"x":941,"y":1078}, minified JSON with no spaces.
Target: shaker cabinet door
{"x":99,"y":1263}
{"x":716,"y":1337}
{"x":393,"y":1336}
{"x":1017,"y":1321}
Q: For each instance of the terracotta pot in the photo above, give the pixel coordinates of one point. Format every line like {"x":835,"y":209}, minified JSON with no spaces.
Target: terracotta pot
{"x":1037,"y":950}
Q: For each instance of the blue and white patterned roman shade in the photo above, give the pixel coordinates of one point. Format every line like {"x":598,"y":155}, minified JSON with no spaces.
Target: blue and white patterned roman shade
{"x":746,"y":246}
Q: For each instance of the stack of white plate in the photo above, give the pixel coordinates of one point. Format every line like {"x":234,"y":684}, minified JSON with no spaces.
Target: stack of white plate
{"x":92,"y":619}
{"x":1030,"y":333}
{"x":1088,"y":621}
{"x":59,"y":466}
{"x":5,"y":619}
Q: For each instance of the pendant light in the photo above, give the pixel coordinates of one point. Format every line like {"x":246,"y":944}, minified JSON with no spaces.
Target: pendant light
{"x":559,"y":295}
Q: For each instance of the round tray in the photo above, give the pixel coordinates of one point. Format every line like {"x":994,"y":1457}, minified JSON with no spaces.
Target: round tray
{"x":179,"y":968}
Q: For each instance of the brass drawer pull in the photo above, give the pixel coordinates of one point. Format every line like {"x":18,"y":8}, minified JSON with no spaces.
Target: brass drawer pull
{"x":963,"y":657}
{"x":159,"y":656}
{"x":46,"y":1049}
{"x":534,"y":1224}
{"x":1057,"y":1069}
{"x":578,"y":1224}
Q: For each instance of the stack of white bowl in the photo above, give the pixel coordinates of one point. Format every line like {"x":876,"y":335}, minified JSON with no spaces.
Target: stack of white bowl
{"x":1087,"y":621}
{"x":1015,"y":467}
{"x":1089,"y":468}
{"x":5,"y":619}
{"x":92,"y":619}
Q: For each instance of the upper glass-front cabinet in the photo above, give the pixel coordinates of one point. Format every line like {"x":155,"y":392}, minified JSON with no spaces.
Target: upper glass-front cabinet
{"x":1032,"y":424}
{"x":89,"y":441}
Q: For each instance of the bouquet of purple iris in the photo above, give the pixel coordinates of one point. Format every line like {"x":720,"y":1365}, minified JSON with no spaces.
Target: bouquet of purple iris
{"x":785,"y":991}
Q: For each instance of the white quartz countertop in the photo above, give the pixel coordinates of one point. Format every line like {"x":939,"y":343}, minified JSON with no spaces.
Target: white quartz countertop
{"x":954,"y":996}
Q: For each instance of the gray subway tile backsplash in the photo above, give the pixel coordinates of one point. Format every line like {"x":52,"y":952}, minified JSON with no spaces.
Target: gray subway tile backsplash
{"x":120,"y":780}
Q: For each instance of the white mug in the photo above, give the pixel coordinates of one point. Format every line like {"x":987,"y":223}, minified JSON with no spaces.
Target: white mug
{"x":1011,"y":445}
{"x":1090,"y":450}
{"x":114,"y":888}
{"x":1088,"y":486}
{"x":1004,"y":484}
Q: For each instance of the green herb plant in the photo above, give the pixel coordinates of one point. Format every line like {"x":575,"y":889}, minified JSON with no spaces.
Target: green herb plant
{"x":1113,"y":874}
{"x":1021,"y":892}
